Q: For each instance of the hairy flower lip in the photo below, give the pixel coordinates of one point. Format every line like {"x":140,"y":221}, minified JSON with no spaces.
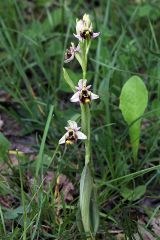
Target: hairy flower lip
{"x":70,"y":53}
{"x":83,"y":94}
{"x":72,"y":134}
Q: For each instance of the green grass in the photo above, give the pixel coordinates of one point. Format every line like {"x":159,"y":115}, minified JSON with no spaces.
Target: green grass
{"x":33,"y":39}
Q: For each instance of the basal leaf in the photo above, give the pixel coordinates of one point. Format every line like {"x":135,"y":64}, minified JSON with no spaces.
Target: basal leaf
{"x":94,"y":212}
{"x":86,"y":185}
{"x":133,"y":102}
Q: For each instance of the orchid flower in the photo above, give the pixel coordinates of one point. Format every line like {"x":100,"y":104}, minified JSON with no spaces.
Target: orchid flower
{"x":84,"y":29}
{"x":83,"y":94}
{"x":70,"y":53}
{"x":72,"y":134}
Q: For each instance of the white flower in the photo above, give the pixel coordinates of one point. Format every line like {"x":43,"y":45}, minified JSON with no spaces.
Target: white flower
{"x":72,"y":134}
{"x":84,"y":29}
{"x":70,"y":53}
{"x":83,"y":94}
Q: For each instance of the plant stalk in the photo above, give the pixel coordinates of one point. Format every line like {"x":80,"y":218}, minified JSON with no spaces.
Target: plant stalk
{"x":85,"y":115}
{"x":85,"y":108}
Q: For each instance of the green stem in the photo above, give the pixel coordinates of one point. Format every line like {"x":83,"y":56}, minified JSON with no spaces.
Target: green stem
{"x":84,"y":58}
{"x":85,"y":116}
{"x":85,"y":109}
{"x":88,"y":141}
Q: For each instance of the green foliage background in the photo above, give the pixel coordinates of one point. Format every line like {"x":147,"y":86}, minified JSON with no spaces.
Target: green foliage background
{"x":33,"y":38}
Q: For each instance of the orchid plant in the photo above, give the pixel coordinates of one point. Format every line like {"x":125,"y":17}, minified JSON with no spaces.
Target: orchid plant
{"x":88,"y":214}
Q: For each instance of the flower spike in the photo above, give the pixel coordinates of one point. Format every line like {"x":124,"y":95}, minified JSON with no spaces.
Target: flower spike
{"x":83,"y":94}
{"x":72,"y":134}
{"x":70,"y":53}
{"x":84,"y":29}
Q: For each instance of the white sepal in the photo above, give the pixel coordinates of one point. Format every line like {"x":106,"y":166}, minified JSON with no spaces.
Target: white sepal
{"x":96,"y":35}
{"x":94,"y":96}
{"x":63,"y":139}
{"x":81,"y":135}
{"x":75,"y":97}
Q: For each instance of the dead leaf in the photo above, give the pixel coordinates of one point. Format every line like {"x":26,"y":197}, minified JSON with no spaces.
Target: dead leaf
{"x":65,"y":187}
{"x":156,"y":225}
{"x":7,"y":200}
{"x":48,"y":179}
{"x":120,"y":236}
{"x":144,"y":233}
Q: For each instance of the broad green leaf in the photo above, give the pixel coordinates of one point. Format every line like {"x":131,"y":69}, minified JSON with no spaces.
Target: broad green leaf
{"x":4,"y":147}
{"x":133,"y":102}
{"x":133,"y":194}
{"x":68,"y":80}
{"x":94,"y":212}
{"x":86,"y":186}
